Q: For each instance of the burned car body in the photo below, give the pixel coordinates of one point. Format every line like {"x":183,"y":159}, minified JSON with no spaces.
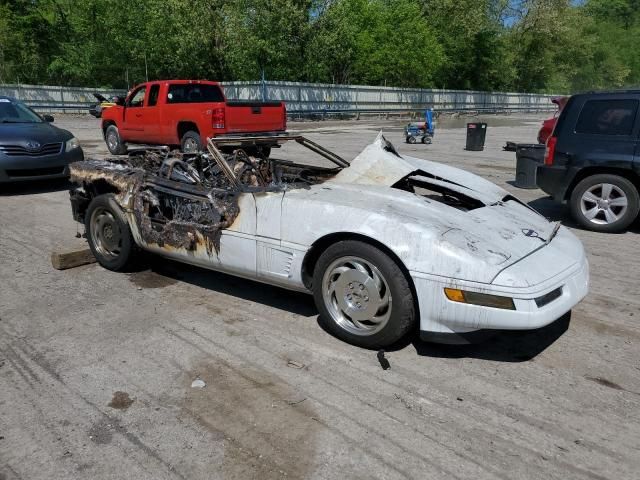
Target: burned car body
{"x":382,"y":242}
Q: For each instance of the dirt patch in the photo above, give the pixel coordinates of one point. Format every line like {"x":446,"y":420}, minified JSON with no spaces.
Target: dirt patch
{"x":269,"y":428}
{"x":150,"y":279}
{"x":121,"y":400}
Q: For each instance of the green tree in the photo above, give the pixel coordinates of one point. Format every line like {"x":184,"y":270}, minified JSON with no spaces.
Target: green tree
{"x":267,"y":35}
{"x":373,"y":42}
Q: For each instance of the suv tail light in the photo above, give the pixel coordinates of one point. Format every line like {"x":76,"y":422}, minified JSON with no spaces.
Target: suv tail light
{"x":217,"y":119}
{"x":550,"y":150}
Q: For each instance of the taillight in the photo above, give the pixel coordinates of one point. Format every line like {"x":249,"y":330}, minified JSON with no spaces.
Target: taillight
{"x":550,"y":150}
{"x":217,"y":119}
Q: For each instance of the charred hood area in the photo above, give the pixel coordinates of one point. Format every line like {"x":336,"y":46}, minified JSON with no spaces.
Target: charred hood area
{"x":185,"y":200}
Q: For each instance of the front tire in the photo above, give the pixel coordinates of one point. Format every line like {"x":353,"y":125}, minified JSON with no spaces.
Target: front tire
{"x":114,"y":143}
{"x":363,"y":296}
{"x":108,"y":233}
{"x":605,"y":203}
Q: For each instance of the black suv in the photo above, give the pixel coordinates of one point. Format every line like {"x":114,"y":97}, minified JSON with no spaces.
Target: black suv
{"x":592,"y":160}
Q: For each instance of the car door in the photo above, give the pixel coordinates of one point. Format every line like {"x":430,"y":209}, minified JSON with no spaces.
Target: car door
{"x":133,"y":125}
{"x":182,"y":219}
{"x":275,"y":262}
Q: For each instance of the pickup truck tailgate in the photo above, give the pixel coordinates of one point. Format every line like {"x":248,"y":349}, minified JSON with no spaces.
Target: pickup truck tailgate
{"x":248,"y":116}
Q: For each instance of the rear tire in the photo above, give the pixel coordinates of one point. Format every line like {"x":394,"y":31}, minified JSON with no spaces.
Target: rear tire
{"x":411,"y":139}
{"x":190,"y":142}
{"x":363,"y":296}
{"x":108,"y":233}
{"x":605,"y":203}
{"x":114,"y":143}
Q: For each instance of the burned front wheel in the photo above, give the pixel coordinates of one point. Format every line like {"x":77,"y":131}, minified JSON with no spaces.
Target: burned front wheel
{"x":363,"y":296}
{"x":108,"y":233}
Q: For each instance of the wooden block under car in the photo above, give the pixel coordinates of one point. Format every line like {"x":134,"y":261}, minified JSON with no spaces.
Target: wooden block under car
{"x":64,"y":259}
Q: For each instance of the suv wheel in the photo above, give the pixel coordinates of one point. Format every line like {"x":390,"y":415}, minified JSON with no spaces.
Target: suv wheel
{"x":605,"y":203}
{"x":113,"y":140}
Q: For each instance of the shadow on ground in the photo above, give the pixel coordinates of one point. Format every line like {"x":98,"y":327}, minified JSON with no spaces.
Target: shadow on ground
{"x":555,"y":212}
{"x":294,"y":302}
{"x":503,"y":346}
{"x":34,"y":187}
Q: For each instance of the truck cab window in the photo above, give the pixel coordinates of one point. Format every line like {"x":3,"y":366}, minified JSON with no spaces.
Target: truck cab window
{"x":194,"y":93}
{"x":137,"y":100}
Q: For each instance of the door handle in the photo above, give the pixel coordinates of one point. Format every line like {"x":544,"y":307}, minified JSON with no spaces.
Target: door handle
{"x":138,"y":115}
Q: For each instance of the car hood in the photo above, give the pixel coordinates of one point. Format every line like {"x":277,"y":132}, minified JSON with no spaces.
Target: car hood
{"x":380,"y":164}
{"x":433,"y":236}
{"x":20,"y":133}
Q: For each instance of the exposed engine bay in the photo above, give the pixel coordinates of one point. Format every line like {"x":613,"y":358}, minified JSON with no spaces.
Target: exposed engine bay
{"x":183,"y":200}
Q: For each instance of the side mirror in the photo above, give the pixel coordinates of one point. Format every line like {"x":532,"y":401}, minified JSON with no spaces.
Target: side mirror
{"x":118,"y":100}
{"x":48,"y":118}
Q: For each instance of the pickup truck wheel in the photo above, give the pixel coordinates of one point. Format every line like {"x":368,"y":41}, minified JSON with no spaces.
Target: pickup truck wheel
{"x":108,"y":233}
{"x":114,"y":142}
{"x":362,"y":295}
{"x":605,"y":203}
{"x":190,"y":142}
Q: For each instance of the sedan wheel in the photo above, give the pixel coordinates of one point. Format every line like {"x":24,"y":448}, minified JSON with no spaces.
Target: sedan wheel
{"x":357,"y":296}
{"x":363,"y":295}
{"x":605,"y":203}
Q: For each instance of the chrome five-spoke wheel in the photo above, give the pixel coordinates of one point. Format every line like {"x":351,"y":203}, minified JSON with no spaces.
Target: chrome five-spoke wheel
{"x":357,"y":295}
{"x":604,"y":203}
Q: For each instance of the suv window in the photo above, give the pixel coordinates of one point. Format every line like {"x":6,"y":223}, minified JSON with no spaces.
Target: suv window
{"x":137,"y":99}
{"x":607,"y":117}
{"x":153,"y":95}
{"x":194,"y":93}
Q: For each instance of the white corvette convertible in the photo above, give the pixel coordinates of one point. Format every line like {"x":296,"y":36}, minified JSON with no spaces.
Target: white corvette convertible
{"x":384,"y":244}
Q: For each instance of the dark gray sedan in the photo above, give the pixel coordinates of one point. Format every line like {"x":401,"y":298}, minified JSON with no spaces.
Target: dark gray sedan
{"x":30,"y":147}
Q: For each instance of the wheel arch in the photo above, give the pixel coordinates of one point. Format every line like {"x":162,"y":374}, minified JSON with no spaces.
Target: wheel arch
{"x":321,"y":244}
{"x":185,"y":126}
{"x":627,"y":173}
{"x":106,"y":124}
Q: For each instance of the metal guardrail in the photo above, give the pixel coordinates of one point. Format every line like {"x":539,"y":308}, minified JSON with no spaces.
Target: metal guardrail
{"x":311,"y":99}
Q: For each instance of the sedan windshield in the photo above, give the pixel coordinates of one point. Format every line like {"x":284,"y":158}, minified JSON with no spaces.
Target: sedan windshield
{"x":17,"y":112}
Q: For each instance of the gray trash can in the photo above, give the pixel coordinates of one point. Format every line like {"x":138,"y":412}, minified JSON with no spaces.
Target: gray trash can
{"x":528,"y":157}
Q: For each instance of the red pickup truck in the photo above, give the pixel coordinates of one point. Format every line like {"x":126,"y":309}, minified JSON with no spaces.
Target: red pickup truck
{"x":185,"y":113}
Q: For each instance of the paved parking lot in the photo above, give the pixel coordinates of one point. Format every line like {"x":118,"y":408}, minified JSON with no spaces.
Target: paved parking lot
{"x":96,"y":367}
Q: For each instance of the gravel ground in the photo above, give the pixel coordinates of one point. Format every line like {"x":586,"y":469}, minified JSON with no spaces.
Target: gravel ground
{"x":96,"y":367}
